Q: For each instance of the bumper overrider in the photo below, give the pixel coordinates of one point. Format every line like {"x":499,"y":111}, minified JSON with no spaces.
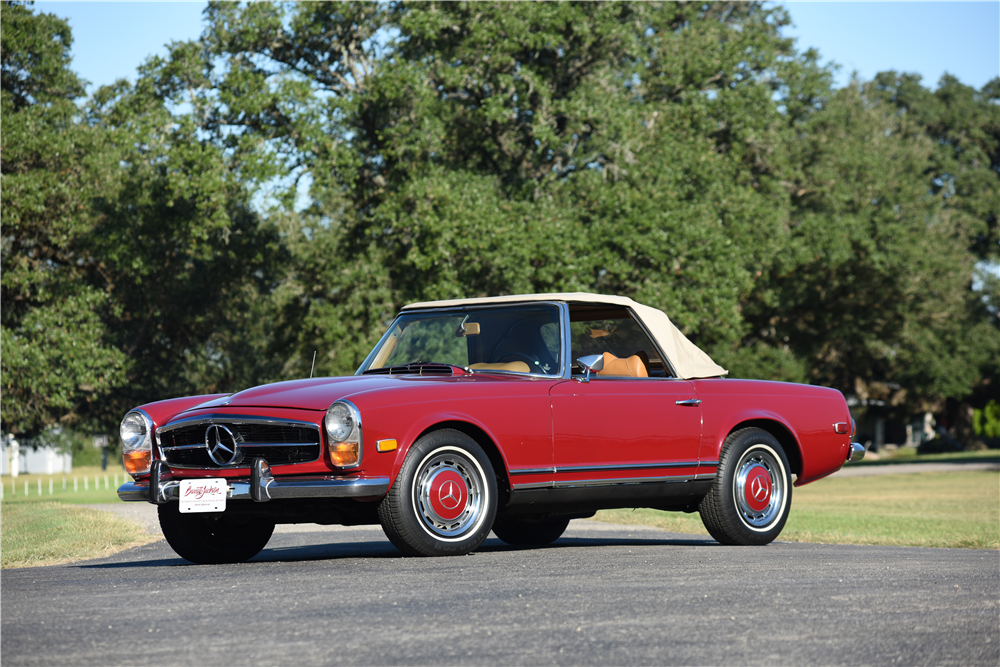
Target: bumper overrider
{"x":261,"y":487}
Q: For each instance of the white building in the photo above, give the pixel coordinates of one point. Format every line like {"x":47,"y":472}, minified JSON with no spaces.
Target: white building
{"x":19,"y":459}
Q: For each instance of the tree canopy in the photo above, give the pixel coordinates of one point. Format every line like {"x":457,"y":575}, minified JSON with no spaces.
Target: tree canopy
{"x":286,"y":182}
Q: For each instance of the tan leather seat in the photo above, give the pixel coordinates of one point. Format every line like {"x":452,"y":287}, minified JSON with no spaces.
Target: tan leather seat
{"x":514,"y":366}
{"x":629,"y":367}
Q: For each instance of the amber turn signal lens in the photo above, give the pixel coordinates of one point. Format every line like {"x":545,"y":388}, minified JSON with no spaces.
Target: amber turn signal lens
{"x":137,"y":461}
{"x":385,"y":445}
{"x":343,"y":454}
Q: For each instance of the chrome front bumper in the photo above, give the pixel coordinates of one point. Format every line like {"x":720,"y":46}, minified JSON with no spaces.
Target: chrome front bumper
{"x":261,"y":487}
{"x":857,"y":452}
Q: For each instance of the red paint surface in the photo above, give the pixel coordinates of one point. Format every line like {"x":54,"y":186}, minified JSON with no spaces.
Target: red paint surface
{"x":538,"y":423}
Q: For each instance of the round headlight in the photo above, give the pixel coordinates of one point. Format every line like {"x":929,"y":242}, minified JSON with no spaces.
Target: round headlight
{"x":339,"y":422}
{"x":134,"y":431}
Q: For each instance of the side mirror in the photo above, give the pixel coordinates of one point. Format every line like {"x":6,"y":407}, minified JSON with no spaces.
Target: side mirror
{"x":591,"y":364}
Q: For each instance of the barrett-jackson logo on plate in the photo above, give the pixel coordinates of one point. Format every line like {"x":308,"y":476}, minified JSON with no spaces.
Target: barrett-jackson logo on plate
{"x":203,"y":495}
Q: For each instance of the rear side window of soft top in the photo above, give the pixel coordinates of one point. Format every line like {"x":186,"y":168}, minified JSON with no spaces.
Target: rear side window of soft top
{"x":612,"y":331}
{"x":518,"y":339}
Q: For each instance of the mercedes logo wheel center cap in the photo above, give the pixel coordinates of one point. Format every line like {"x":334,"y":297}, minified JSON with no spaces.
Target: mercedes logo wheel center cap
{"x":222,"y":445}
{"x":449,"y":494}
{"x":758,"y":489}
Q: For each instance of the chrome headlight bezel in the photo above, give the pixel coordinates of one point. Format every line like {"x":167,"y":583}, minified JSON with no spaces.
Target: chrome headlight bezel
{"x":136,"y":433}
{"x":342,"y":425}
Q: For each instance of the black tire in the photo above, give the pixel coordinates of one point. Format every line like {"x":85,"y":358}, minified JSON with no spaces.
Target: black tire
{"x":211,"y":538}
{"x":752,"y":492}
{"x":444,"y":498}
{"x":524,"y":532}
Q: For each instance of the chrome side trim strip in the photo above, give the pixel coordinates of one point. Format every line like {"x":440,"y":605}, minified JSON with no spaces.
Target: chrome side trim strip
{"x":533,"y":485}
{"x":567,"y":484}
{"x":297,"y":487}
{"x":670,"y":479}
{"x":629,"y":466}
{"x":532,"y":471}
{"x":709,"y":463}
{"x":605,"y":468}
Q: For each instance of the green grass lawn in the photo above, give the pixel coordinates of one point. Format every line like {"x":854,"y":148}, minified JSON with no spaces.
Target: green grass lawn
{"x":947,"y":509}
{"x":46,"y":529}
{"x":85,"y":485}
{"x":48,"y":533}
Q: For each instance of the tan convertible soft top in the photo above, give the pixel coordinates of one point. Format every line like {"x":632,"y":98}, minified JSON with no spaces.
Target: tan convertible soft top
{"x":687,"y":358}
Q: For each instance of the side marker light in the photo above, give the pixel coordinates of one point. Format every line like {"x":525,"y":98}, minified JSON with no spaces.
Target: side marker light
{"x":385,"y":445}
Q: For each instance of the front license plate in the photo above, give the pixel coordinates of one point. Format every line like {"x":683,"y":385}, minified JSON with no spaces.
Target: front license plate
{"x":203,"y":495}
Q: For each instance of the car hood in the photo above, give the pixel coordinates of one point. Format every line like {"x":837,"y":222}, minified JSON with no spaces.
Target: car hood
{"x":310,"y":394}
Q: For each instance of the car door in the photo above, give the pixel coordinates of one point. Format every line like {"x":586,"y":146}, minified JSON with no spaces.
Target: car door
{"x":618,"y":429}
{"x":632,"y":420}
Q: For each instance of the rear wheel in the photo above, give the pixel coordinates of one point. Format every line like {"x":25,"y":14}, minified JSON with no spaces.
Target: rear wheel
{"x":526,"y":532}
{"x":444,"y":498}
{"x":213,"y":538}
{"x":752,"y":493}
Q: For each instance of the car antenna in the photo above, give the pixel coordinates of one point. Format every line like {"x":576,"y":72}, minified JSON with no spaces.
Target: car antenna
{"x":313,"y":366}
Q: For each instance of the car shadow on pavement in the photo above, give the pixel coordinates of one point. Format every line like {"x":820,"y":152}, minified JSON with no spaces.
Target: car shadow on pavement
{"x":151,"y":555}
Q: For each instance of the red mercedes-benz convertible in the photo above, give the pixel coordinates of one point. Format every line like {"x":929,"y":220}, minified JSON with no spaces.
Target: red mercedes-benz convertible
{"x":513,"y":414}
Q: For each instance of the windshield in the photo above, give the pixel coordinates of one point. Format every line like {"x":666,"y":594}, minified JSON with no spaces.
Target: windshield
{"x":522,"y":339}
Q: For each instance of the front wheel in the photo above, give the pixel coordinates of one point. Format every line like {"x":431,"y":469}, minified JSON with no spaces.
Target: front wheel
{"x":752,"y":492}
{"x":444,"y":498}
{"x":213,"y":538}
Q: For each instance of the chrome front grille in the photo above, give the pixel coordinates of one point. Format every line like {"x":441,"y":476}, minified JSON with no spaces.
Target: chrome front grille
{"x":279,"y":442}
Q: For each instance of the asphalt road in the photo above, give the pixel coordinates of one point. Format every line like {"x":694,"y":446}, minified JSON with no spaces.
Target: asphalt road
{"x":602,"y":594}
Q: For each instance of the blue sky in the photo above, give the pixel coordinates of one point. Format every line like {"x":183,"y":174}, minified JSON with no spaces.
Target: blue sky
{"x":929,"y":38}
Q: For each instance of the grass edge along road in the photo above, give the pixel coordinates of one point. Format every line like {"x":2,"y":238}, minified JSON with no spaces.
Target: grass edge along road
{"x":42,"y":524}
{"x":932,"y":509}
{"x":947,"y":509}
{"x":50,"y":533}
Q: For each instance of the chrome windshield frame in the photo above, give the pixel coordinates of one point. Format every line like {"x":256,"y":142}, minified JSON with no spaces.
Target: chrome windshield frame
{"x":563,"y":321}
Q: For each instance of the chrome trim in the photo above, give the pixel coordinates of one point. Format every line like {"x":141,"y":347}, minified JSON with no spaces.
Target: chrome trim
{"x":629,"y":466}
{"x":532,"y":485}
{"x":156,"y":474}
{"x":150,"y":435}
{"x":361,"y":434}
{"x":690,"y":401}
{"x":216,"y":418}
{"x":532,"y":471}
{"x":566,"y":341}
{"x":590,"y":364}
{"x":243,"y":445}
{"x":666,"y":479}
{"x":561,"y":306}
{"x":260,"y":479}
{"x":857,"y":452}
{"x":709,"y":463}
{"x":281,"y":488}
{"x":232,"y":419}
{"x":214,"y":441}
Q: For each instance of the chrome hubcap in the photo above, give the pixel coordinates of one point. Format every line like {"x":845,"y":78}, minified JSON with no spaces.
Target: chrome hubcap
{"x":760,"y":488}
{"x":449,"y":494}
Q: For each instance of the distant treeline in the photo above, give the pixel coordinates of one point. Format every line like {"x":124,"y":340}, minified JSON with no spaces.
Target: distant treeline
{"x":289,"y":180}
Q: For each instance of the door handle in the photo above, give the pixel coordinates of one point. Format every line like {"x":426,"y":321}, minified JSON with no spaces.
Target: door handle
{"x":691,"y":401}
